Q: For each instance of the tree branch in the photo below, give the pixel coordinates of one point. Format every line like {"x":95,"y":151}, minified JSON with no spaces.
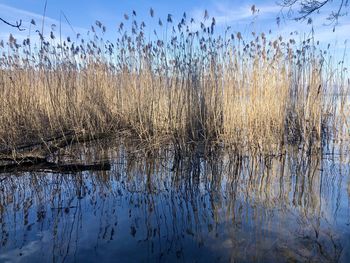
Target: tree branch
{"x":17,"y":25}
{"x":308,"y":7}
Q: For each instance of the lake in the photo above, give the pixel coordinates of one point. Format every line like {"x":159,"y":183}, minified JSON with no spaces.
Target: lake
{"x":157,"y":208}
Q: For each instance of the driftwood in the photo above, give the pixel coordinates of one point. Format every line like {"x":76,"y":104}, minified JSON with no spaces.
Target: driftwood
{"x":34,"y":156}
{"x":42,"y":150}
{"x":49,"y":145}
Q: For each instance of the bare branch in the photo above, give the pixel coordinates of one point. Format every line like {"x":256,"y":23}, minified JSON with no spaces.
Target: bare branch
{"x":17,"y":25}
{"x":308,"y":7}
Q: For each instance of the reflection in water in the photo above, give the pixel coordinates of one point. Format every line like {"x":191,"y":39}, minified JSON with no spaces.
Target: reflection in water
{"x":154,"y":209}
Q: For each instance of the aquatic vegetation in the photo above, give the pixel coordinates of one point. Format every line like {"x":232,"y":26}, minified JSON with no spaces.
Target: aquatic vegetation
{"x":250,"y":93}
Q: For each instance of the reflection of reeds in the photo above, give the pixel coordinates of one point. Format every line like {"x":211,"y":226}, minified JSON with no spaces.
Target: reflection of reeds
{"x":192,"y":86}
{"x":256,"y":200}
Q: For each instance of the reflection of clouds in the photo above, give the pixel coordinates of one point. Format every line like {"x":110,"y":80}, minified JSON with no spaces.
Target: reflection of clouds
{"x":20,"y":255}
{"x":28,"y":250}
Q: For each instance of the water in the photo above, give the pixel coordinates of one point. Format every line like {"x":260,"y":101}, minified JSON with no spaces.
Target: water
{"x":152,"y":209}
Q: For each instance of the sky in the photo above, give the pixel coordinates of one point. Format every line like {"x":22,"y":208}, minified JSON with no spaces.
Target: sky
{"x":77,"y":16}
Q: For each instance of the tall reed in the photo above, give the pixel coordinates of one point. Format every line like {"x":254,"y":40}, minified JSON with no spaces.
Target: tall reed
{"x":191,"y":86}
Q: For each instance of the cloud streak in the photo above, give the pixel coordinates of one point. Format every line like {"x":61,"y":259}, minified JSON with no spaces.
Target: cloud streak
{"x":241,"y":19}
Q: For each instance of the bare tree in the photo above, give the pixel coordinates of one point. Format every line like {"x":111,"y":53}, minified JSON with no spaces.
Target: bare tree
{"x":305,"y":8}
{"x":18,"y":25}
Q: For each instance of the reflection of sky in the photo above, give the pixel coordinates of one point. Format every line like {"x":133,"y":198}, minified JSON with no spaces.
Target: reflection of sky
{"x":237,"y":14}
{"x":216,"y":216}
{"x":30,"y":251}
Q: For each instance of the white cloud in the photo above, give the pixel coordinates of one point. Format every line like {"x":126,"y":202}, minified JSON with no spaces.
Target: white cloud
{"x":241,"y":19}
{"x":230,"y":14}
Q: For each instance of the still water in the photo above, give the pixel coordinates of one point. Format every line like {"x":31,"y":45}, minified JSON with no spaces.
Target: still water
{"x":291,"y":208}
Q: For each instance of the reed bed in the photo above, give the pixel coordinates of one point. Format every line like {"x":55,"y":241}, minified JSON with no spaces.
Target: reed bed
{"x":252,"y":93}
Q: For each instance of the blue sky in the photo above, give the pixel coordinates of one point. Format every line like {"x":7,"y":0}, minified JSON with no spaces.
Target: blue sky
{"x":234,"y":13}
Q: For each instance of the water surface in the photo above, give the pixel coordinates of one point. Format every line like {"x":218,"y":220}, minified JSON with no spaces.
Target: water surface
{"x":154,"y":209}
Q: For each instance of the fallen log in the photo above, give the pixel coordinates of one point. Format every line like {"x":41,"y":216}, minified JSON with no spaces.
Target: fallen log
{"x":30,"y":146}
{"x":38,"y":151}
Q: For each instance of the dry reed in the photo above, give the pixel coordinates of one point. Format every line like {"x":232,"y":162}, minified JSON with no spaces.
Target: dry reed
{"x":192,"y":86}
